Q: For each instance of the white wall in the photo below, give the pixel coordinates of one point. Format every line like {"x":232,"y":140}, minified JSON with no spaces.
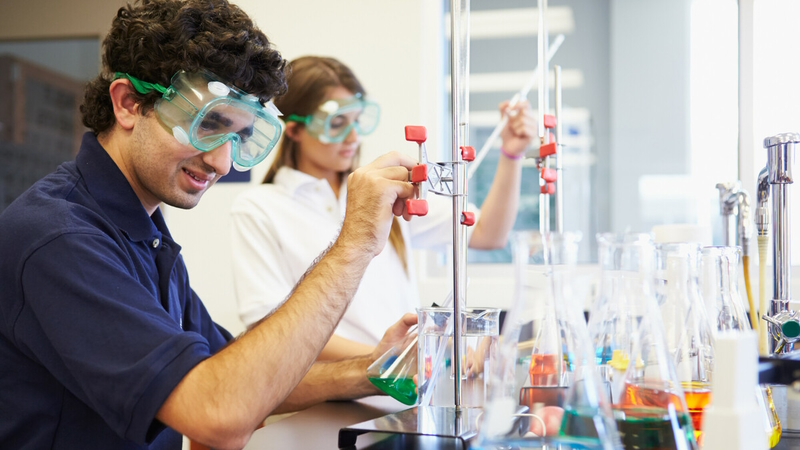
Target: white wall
{"x":391,"y":45}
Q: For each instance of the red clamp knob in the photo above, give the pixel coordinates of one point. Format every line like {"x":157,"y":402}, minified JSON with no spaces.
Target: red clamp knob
{"x":549,"y":175}
{"x":549,"y":121}
{"x":419,"y":173}
{"x":468,"y":218}
{"x":467,"y":153}
{"x":549,"y":189}
{"x":547,"y":150}
{"x":416,"y":133}
{"x":416,"y":207}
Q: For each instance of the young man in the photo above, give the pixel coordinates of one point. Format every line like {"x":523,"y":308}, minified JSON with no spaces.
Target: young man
{"x":103,"y":343}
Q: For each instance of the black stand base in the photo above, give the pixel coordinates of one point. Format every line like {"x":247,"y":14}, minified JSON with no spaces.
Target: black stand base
{"x":442,"y":422}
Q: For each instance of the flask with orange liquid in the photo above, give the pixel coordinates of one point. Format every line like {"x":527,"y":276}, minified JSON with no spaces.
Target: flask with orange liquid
{"x":686,"y":326}
{"x":648,"y":401}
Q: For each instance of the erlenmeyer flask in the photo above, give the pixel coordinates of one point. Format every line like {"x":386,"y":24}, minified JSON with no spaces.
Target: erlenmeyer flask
{"x":725,"y":310}
{"x":394,"y":371}
{"x":649,"y":405}
{"x":525,"y":403}
{"x":720,"y":288}
{"x":689,"y":337}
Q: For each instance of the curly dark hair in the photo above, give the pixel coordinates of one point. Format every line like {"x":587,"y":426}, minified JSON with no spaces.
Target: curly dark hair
{"x":153,"y":39}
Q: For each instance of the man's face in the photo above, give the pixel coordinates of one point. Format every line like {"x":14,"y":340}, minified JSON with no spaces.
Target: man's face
{"x":163,"y":170}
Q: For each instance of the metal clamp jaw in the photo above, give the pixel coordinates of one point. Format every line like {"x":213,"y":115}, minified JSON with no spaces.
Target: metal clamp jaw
{"x":433,"y":177}
{"x":785,"y":329}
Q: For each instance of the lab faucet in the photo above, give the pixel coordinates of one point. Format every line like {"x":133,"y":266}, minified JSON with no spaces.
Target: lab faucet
{"x":734,"y":206}
{"x":773,"y":185}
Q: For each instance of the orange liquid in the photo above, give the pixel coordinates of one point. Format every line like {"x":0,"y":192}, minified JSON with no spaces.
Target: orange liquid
{"x":544,"y":370}
{"x":698,"y":396}
{"x":641,"y":404}
{"x":635,"y":396}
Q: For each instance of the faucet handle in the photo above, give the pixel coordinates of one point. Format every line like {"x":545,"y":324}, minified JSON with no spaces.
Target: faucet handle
{"x":785,"y":327}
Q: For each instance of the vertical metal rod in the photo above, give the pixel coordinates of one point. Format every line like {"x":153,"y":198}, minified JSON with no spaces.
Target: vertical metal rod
{"x":544,"y":136}
{"x":457,"y":89}
{"x":781,"y":248}
{"x":559,"y":195}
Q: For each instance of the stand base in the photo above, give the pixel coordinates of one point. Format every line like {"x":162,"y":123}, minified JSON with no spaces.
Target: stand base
{"x":442,"y":422}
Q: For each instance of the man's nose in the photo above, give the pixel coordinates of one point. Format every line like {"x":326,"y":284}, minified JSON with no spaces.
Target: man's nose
{"x":219,"y":158}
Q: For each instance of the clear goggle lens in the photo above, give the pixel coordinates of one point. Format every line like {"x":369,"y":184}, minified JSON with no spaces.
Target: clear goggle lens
{"x":204,"y":112}
{"x":335,"y":118}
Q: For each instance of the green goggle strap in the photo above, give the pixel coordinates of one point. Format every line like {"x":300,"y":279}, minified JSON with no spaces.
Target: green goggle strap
{"x":301,"y":119}
{"x":142,"y":87}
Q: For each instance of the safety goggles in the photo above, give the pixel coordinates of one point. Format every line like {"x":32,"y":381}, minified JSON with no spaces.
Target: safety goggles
{"x":333,"y":120}
{"x":205,"y":112}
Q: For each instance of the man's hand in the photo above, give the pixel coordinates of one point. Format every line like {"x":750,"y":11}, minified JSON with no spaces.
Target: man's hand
{"x":395,"y":335}
{"x":375,"y":193}
{"x":520,"y":129}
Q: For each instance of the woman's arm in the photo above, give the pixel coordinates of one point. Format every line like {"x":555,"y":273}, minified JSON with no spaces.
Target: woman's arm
{"x":499,"y":210}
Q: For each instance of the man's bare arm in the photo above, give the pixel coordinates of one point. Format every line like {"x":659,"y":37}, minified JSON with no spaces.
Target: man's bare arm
{"x":223,"y":399}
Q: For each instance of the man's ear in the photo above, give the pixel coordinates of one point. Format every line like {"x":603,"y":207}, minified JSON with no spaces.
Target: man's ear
{"x":292,"y":131}
{"x":126,"y":110}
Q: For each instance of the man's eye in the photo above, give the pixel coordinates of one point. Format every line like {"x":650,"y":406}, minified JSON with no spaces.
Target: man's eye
{"x":209,"y":125}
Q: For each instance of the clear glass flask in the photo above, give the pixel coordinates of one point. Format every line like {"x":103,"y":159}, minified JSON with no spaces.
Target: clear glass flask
{"x":545,"y":391}
{"x":725,"y":310}
{"x":649,"y":405}
{"x":394,"y":371}
{"x":720,"y":288}
{"x":686,"y":326}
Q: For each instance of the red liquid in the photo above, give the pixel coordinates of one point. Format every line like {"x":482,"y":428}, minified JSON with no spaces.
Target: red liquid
{"x":544,"y":370}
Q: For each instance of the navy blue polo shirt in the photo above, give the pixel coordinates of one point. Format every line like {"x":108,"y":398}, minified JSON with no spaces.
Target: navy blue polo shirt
{"x":98,"y":323}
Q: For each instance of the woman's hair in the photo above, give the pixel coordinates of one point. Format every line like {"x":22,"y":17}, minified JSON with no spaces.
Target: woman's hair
{"x":310,"y":79}
{"x":153,"y":39}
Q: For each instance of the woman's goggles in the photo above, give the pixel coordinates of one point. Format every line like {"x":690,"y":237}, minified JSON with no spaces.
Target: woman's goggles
{"x":203,"y":111}
{"x":334,"y":119}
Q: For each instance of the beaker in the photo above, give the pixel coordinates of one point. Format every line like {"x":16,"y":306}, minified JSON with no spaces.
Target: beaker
{"x":479,"y":336}
{"x":687,"y":331}
{"x":725,"y":309}
{"x":648,"y":401}
{"x":546,"y":318}
{"x":394,"y":371}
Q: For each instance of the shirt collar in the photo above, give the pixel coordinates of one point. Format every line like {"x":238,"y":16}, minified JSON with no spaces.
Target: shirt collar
{"x":293,"y":180}
{"x":114,"y":194}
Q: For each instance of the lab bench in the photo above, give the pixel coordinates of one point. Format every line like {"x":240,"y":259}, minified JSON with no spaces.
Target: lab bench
{"x":318,"y":428}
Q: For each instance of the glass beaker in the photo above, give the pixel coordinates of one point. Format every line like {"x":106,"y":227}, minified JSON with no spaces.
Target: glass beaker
{"x":481,"y":329}
{"x":394,"y":371}
{"x":546,"y":318}
{"x":689,"y":337}
{"x":725,"y":310}
{"x":648,"y":401}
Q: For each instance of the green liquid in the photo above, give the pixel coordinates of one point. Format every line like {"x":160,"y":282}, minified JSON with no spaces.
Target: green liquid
{"x":646,"y":428}
{"x":402,"y":389}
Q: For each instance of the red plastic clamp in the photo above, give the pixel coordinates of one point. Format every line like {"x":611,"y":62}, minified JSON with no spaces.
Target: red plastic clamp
{"x":467,"y":153}
{"x":547,"y":150}
{"x":416,"y":133}
{"x":549,"y":121}
{"x":419,"y":173}
{"x":468,"y":218}
{"x":549,"y":175}
{"x":416,"y":207}
{"x":549,"y":189}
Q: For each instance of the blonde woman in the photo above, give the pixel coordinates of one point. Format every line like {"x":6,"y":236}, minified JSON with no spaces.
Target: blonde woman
{"x":281,"y":226}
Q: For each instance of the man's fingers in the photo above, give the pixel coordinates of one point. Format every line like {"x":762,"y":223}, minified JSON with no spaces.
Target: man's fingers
{"x":392,"y":159}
